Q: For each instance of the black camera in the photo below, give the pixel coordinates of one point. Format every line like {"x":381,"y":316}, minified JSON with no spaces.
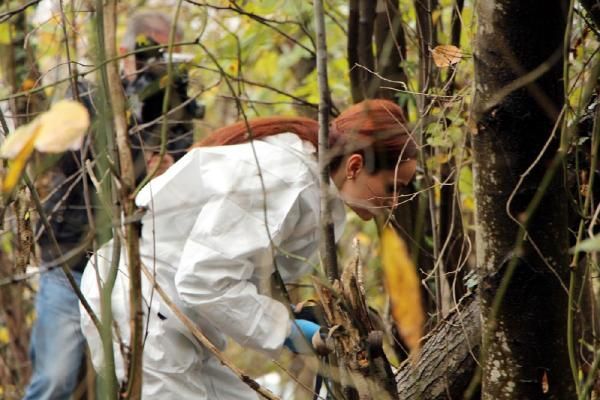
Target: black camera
{"x":146,"y":93}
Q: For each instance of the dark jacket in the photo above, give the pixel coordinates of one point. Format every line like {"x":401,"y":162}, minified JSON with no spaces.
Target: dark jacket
{"x":64,"y":202}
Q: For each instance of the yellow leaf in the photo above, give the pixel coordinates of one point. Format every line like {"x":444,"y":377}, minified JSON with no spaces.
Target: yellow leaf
{"x":163,"y":82}
{"x":468,"y":203}
{"x":4,"y":335}
{"x":46,"y":39}
{"x":435,"y":16}
{"x":28,"y":84}
{"x":59,"y":129}
{"x":62,"y":127}
{"x":233,"y":68}
{"x":442,"y":158}
{"x":5,"y":34}
{"x":16,"y":167}
{"x":445,"y":55}
{"x":17,"y":140}
{"x":403,"y":287}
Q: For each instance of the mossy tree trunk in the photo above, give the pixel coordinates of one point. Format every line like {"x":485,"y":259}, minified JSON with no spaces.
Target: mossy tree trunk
{"x":524,"y":336}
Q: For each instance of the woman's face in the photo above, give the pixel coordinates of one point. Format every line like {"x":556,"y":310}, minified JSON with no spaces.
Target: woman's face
{"x":371,"y":194}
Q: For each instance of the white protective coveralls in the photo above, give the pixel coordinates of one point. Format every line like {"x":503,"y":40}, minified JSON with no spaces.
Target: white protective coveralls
{"x":205,"y":238}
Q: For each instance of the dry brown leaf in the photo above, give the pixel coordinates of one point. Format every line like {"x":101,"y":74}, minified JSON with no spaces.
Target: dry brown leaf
{"x":445,"y":55}
{"x":403,"y":287}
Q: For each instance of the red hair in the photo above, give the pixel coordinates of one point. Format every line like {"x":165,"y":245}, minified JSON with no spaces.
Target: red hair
{"x":374,"y":128}
{"x":306,"y":128}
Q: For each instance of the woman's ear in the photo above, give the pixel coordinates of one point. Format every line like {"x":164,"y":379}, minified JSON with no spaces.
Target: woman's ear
{"x":354,"y":164}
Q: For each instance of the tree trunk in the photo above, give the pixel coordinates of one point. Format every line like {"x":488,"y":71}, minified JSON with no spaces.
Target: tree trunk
{"x":390,"y":44}
{"x":524,"y":346}
{"x":426,"y":37}
{"x":366,"y":56}
{"x":352,"y":49}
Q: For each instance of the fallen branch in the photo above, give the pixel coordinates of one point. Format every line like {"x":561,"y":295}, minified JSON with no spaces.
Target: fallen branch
{"x":448,"y":357}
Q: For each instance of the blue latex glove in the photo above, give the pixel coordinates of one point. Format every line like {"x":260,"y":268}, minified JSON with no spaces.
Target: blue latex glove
{"x":300,"y":338}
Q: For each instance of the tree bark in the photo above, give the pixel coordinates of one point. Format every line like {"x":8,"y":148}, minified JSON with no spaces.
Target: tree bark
{"x":447,"y":359}
{"x":366,"y":57}
{"x":525,"y":344}
{"x":361,"y":23}
{"x":352,"y":49}
{"x":127,"y":179}
{"x":426,"y":37}
{"x":328,"y":248}
{"x":390,"y":44}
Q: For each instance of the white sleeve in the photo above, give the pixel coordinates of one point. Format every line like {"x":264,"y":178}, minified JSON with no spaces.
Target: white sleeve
{"x":219,"y":256}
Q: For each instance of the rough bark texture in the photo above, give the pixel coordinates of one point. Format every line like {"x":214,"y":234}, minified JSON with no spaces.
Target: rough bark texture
{"x":448,"y":357}
{"x":528,"y":339}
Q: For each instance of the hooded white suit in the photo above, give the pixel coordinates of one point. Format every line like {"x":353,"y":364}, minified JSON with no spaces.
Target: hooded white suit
{"x":205,"y":238}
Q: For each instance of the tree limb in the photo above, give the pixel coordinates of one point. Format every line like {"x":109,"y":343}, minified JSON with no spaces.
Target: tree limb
{"x":328,"y":249}
{"x":448,"y":358}
{"x":5,"y":16}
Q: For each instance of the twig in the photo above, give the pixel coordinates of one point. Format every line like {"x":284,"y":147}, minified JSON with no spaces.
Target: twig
{"x":262,"y":20}
{"x":5,"y":16}
{"x":589,"y":381}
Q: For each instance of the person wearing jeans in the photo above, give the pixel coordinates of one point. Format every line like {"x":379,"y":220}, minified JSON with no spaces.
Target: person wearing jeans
{"x":56,"y":367}
{"x":57,"y":345}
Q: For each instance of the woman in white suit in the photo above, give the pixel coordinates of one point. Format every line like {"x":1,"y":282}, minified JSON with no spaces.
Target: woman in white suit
{"x":217,"y":224}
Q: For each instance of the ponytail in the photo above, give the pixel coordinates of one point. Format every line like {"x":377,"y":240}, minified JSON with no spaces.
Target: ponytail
{"x":374,"y":128}
{"x":306,"y":128}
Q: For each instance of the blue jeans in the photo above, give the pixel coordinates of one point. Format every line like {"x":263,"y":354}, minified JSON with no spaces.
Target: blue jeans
{"x":57,"y":344}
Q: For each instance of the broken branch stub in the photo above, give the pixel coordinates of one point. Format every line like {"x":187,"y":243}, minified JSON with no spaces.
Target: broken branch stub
{"x":357,"y":345}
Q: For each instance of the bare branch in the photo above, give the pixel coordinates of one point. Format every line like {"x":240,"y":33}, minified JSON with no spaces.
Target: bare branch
{"x":5,"y":16}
